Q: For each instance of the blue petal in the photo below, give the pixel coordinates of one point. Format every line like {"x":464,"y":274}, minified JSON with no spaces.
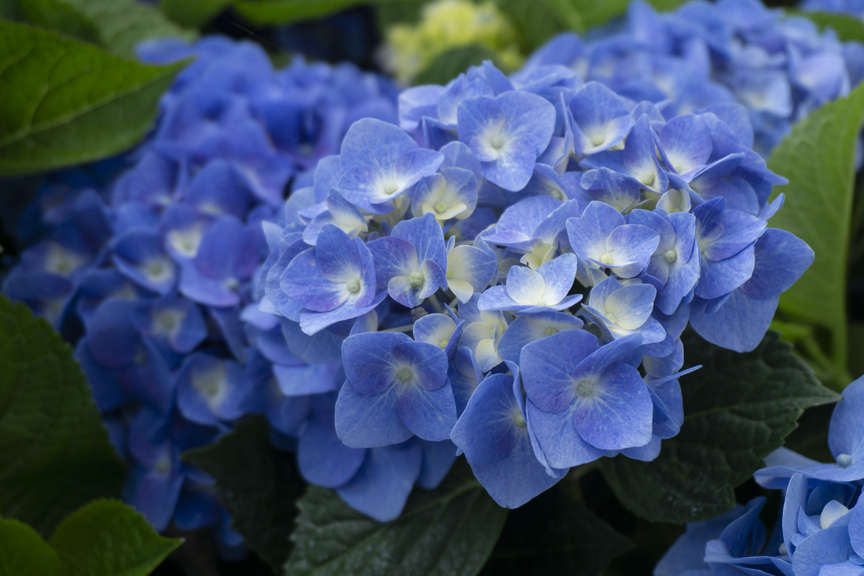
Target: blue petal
{"x":369,"y":421}
{"x":139,"y":256}
{"x":426,"y":236}
{"x":493,"y":435}
{"x":845,"y":434}
{"x":438,"y":458}
{"x":154,"y":495}
{"x":519,"y":221}
{"x":823,"y":548}
{"x":507,"y":133}
{"x":429,"y":414}
{"x":620,"y":415}
{"x":548,"y":366}
{"x":738,"y":324}
{"x":601,"y":118}
{"x":720,"y":277}
{"x":322,"y":458}
{"x":383,"y":484}
{"x":210,"y":389}
{"x":379,"y":162}
{"x":525,"y":329}
{"x":780,"y":259}
{"x":561,"y":445}
{"x":368,"y":360}
{"x":311,"y":323}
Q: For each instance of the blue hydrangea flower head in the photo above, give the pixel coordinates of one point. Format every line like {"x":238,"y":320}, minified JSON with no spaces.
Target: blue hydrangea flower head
{"x":845,"y":440}
{"x":546,"y":244}
{"x":820,"y":528}
{"x":505,"y":272}
{"x":148,"y":263}
{"x":705,"y":57}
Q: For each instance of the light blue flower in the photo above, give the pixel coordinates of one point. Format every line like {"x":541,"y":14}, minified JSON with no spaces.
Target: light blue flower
{"x":379,"y":162}
{"x":494,"y":435}
{"x":583,"y":398}
{"x":332,"y":282}
{"x":507,"y":133}
{"x":395,"y":389}
{"x":530,"y":291}
{"x":622,"y":310}
{"x":411,"y":263}
{"x":602,"y":240}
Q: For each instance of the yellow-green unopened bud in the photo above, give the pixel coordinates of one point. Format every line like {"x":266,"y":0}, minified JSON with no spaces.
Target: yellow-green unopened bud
{"x":447,"y":24}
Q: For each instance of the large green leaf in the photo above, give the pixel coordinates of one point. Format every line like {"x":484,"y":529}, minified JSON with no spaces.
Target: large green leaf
{"x":452,"y":62}
{"x":103,"y":538}
{"x":257,"y":485}
{"x":117,"y":25}
{"x":194,"y":14}
{"x":273,"y":12}
{"x":818,"y":158}
{"x":738,"y":408}
{"x":56,"y":15}
{"x":65,"y":102}
{"x":447,"y":532}
{"x":25,"y":552}
{"x":848,"y":28}
{"x":108,"y":538}
{"x":536,"y":22}
{"x":54,"y":451}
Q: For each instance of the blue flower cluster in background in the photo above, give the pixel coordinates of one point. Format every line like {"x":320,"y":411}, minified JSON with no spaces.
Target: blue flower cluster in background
{"x":506,"y":274}
{"x":151,"y":273}
{"x":852,"y":7}
{"x":820,"y":529}
{"x":779,"y":67}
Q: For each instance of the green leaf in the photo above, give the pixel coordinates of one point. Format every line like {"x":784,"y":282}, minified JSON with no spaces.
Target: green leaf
{"x":848,"y":28}
{"x":537,"y":22}
{"x":447,"y":532}
{"x":577,"y":15}
{"x":63,"y":102}
{"x":108,"y":537}
{"x":57,"y":15}
{"x":738,"y":408}
{"x":117,"y":25}
{"x":257,"y":485}
{"x":399,"y":12}
{"x":273,"y":12}
{"x":25,"y":552}
{"x":54,"y":451}
{"x":193,"y":14}
{"x":452,"y":62}
{"x":556,"y":533}
{"x":818,"y":158}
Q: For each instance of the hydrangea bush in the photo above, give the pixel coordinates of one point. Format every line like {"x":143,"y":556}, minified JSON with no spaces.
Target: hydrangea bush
{"x":820,"y":527}
{"x":506,"y":274}
{"x":779,"y":67}
{"x":358,"y":329}
{"x":151,"y":273}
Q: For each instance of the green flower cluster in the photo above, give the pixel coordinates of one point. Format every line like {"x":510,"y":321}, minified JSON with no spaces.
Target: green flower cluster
{"x":446,"y":24}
